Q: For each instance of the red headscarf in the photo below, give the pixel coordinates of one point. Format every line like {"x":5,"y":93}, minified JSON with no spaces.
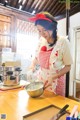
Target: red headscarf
{"x":39,"y":16}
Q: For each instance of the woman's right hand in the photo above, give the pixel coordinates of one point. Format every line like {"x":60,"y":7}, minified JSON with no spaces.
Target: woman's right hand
{"x":29,"y":75}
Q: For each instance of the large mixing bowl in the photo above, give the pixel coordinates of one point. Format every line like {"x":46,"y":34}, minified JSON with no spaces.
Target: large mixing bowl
{"x":35,"y":89}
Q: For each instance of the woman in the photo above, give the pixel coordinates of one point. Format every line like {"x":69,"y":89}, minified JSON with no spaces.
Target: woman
{"x":53,"y":54}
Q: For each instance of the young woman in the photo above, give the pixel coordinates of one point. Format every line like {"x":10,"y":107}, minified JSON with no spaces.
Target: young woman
{"x":53,"y":54}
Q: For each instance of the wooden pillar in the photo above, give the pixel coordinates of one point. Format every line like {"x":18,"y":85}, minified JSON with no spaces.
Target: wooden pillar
{"x":67,"y":23}
{"x":67,"y":33}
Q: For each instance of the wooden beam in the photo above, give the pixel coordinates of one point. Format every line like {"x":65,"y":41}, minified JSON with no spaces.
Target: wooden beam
{"x":29,"y":5}
{"x":67,"y":33}
{"x":13,"y":3}
{"x":54,"y":7}
{"x":75,"y":9}
{"x":25,"y":4}
{"x":32,"y":2}
{"x":51,"y":5}
{"x":41,"y":5}
{"x":46,"y":5}
{"x":37,"y":5}
{"x":59,"y":11}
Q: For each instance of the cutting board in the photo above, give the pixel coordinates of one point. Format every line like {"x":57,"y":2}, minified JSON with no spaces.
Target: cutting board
{"x":22,"y":84}
{"x":45,"y":114}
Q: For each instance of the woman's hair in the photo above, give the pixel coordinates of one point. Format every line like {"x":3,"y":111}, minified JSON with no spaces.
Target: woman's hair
{"x":49,"y":23}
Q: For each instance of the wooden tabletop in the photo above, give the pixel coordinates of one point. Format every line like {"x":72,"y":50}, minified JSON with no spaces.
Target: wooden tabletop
{"x":16,"y":103}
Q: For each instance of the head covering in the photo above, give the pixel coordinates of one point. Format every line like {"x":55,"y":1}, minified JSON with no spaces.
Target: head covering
{"x":47,"y":21}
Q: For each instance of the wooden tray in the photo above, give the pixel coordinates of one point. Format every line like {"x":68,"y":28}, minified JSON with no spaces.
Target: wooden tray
{"x":22,"y":84}
{"x":45,"y":114}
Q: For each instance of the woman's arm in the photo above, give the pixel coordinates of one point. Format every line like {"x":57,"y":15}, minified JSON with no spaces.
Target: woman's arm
{"x":62,"y":71}
{"x":57,"y":75}
{"x":33,"y":64}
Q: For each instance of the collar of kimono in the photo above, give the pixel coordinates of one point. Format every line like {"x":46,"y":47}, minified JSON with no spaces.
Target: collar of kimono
{"x":38,"y":17}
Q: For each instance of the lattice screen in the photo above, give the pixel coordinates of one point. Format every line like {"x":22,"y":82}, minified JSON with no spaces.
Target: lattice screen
{"x":25,"y":27}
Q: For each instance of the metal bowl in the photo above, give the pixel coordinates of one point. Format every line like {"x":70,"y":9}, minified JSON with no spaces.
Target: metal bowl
{"x":35,"y":89}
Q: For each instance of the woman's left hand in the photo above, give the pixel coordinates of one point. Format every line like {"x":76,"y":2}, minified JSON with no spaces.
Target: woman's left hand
{"x":50,"y":80}
{"x":47,"y":84}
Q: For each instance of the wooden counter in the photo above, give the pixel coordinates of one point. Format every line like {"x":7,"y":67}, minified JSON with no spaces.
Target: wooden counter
{"x":16,"y":103}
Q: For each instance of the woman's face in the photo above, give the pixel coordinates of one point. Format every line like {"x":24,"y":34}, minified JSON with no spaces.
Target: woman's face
{"x":47,"y":34}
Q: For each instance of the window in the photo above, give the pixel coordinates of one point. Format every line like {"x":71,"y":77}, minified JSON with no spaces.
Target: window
{"x":27,"y":41}
{"x":26,"y":45}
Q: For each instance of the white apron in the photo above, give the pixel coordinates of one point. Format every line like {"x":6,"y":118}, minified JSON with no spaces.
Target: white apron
{"x":49,"y":64}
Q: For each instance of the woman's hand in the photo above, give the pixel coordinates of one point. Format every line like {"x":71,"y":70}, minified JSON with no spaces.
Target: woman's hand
{"x":33,"y":65}
{"x":29,"y":75}
{"x":50,"y":80}
{"x":47,"y":84}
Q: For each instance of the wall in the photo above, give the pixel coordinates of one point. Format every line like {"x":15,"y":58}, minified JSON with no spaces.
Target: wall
{"x":62,"y":27}
{"x":13,"y":14}
{"x":74,"y":22}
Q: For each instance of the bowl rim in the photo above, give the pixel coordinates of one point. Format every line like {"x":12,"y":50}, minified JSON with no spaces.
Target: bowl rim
{"x":35,"y":89}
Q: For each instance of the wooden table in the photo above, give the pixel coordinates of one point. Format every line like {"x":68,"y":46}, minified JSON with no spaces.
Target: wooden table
{"x":16,"y":103}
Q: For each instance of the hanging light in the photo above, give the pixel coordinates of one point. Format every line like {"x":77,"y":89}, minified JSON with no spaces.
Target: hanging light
{"x":20,"y":7}
{"x":33,"y":12}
